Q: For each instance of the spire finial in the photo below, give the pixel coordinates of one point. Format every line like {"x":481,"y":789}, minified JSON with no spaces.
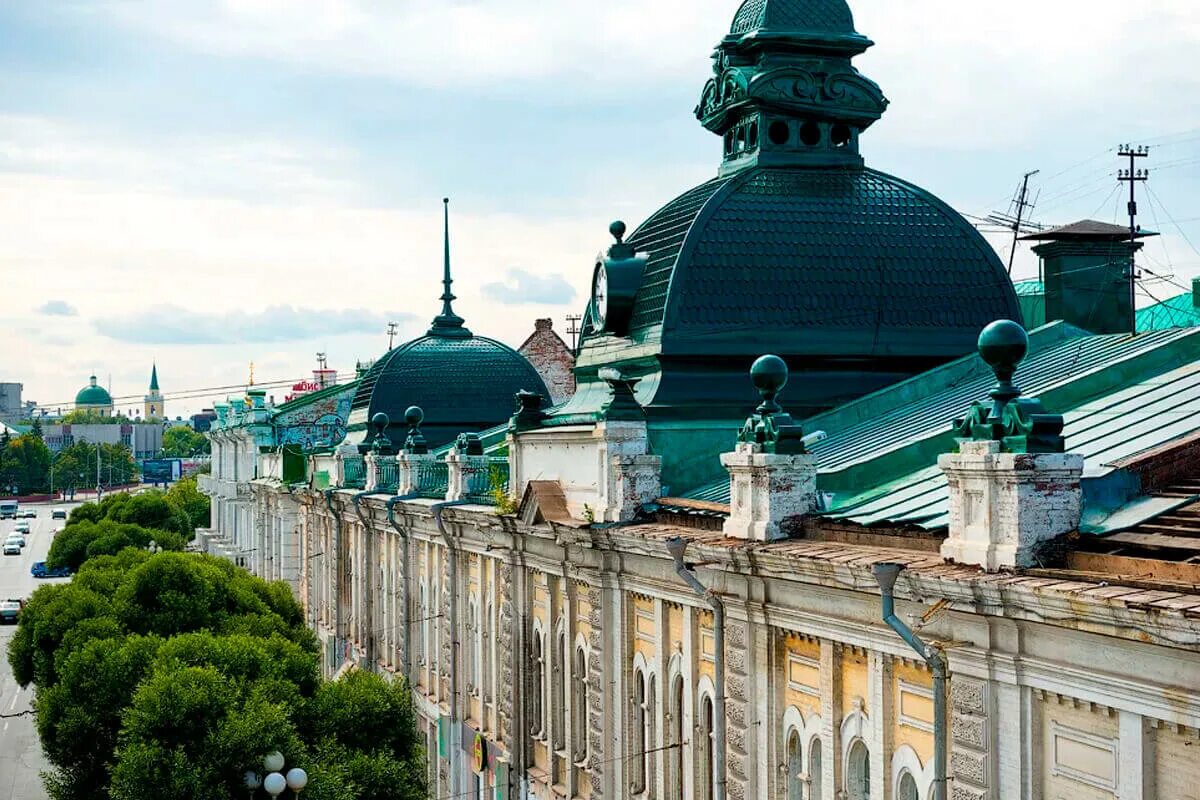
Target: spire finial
{"x":447,"y":323}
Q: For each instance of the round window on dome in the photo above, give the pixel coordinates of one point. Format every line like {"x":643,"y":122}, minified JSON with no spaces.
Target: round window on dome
{"x":779,"y":132}
{"x":810,"y":134}
{"x":841,"y":135}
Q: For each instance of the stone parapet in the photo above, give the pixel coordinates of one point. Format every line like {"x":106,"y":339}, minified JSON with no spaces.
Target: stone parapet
{"x":1005,"y":506}
{"x":765,"y":489}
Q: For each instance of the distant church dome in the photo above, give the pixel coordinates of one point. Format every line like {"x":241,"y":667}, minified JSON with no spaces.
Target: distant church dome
{"x":856,"y":277}
{"x":93,"y":396}
{"x":463,"y":382}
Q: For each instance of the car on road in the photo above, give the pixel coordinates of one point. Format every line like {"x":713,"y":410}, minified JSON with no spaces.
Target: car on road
{"x":15,"y":537}
{"x":22,"y":527}
{"x":29,"y":513}
{"x":10,"y":610}
{"x":40,"y":570}
{"x":12,"y":548}
{"x":58,"y":513}
{"x":8,"y":509}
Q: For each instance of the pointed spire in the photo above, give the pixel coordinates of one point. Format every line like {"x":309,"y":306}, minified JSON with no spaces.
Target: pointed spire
{"x":154,"y":378}
{"x":447,"y":323}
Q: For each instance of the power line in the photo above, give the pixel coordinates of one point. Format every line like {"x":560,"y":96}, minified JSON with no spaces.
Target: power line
{"x":1178,"y":227}
{"x":185,"y":394}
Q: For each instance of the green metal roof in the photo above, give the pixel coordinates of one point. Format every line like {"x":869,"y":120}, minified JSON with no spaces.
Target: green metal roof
{"x":1181,"y":311}
{"x":93,"y":395}
{"x":154,"y":378}
{"x":830,"y":262}
{"x":1119,"y":395}
{"x":1029,"y":288}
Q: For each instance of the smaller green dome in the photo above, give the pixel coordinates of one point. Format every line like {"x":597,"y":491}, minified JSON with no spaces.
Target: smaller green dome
{"x":808,"y":16}
{"x":93,"y":395}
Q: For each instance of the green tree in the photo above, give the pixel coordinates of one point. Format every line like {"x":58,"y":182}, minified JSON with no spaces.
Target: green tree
{"x":25,"y":464}
{"x":79,"y":541}
{"x":183,"y":442}
{"x":75,"y":466}
{"x":86,"y":416}
{"x":186,"y":497}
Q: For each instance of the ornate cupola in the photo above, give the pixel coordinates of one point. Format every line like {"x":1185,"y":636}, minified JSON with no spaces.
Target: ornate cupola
{"x":784,"y":92}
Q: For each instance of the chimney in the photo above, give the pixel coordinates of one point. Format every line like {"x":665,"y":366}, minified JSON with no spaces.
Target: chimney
{"x":543,"y":324}
{"x":1085,"y":268}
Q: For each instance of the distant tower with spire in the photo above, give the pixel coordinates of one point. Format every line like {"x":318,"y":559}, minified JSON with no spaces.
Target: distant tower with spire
{"x":153,"y":404}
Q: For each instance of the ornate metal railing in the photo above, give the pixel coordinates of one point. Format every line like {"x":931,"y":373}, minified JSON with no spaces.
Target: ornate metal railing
{"x":431,"y":479}
{"x":489,"y":484}
{"x":354,"y":472}
{"x":388,"y":473}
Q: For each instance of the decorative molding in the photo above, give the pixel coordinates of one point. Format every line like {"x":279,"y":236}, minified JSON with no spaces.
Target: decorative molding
{"x":803,"y":662}
{"x":904,"y":687}
{"x":1100,"y":744}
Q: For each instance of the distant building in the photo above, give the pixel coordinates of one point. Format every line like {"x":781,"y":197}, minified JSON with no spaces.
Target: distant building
{"x":552,"y":359}
{"x":144,"y":439}
{"x":94,"y":398}
{"x":203,"y":421}
{"x":10,"y":401}
{"x":153,"y":406}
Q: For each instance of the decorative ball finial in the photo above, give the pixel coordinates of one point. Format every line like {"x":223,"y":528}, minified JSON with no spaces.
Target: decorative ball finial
{"x":770,"y":375}
{"x":380,"y":422}
{"x":414,"y":416}
{"x":617,"y":229}
{"x":1003,"y":345}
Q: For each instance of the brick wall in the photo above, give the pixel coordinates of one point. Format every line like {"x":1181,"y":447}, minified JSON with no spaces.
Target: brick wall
{"x":1161,"y":467}
{"x":553,"y":360}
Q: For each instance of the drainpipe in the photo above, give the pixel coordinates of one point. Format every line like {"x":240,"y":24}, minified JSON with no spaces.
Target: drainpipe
{"x":436,"y":509}
{"x":369,"y":575}
{"x":886,"y":574}
{"x":403,"y":534}
{"x":676,"y":547}
{"x":340,"y":563}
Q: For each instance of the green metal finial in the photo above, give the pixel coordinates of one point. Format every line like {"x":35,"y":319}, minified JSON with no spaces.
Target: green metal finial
{"x":447,"y":323}
{"x":415,"y":442}
{"x":769,"y":426}
{"x":1020,"y":424}
{"x":617,"y":229}
{"x":380,"y":442}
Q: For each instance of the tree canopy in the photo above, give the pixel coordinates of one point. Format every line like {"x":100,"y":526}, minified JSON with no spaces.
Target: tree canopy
{"x":170,"y":675}
{"x":24,"y":463}
{"x":181,"y":441}
{"x":75,"y":466}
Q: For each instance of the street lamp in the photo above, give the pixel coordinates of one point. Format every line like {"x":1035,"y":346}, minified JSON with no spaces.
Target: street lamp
{"x":276,"y":781}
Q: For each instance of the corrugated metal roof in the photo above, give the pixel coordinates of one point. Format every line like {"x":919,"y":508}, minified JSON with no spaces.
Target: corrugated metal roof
{"x":1119,"y":397}
{"x":1180,"y":311}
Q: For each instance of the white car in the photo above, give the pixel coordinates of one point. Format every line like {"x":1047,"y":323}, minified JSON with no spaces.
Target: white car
{"x":13,"y":544}
{"x":29,"y":513}
{"x":22,"y":527}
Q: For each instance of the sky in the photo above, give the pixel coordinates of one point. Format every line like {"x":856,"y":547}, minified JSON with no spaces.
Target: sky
{"x":210,"y":184}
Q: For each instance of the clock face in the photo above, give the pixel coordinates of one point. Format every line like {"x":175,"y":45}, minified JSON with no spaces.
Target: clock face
{"x":600,"y":295}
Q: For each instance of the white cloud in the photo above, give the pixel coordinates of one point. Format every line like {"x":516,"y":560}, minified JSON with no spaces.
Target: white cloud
{"x":169,"y":324}
{"x":58,"y":308}
{"x":521,"y":287}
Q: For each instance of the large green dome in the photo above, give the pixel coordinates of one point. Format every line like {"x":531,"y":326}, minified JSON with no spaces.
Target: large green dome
{"x":93,"y":395}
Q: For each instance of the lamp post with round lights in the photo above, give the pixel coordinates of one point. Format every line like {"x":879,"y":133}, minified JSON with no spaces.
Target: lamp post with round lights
{"x":276,"y":781}
{"x":154,"y":547}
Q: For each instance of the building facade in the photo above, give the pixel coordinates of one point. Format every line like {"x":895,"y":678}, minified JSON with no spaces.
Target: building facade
{"x":964,"y":568}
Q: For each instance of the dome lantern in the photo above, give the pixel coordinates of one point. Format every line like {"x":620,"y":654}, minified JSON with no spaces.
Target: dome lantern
{"x":784,"y":91}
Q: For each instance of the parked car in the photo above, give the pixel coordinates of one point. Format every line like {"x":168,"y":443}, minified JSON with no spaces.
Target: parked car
{"x":40,"y":570}
{"x":12,"y":548}
{"x":58,"y":513}
{"x":10,"y":610}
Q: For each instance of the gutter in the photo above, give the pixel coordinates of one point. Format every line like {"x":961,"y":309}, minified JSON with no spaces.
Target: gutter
{"x":676,"y":546}
{"x":455,"y":737}
{"x":407,"y":605}
{"x":933,"y":655}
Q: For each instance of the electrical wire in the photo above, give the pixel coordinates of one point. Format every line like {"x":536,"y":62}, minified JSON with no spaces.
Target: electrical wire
{"x":185,"y":394}
{"x":1178,"y":227}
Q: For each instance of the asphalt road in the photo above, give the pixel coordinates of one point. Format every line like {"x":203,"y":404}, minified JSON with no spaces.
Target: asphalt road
{"x":21,"y":758}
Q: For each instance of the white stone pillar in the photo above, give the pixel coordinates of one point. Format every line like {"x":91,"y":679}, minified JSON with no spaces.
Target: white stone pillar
{"x":1005,"y":506}
{"x":630,"y":476}
{"x":1135,"y":753}
{"x":765,"y":489}
{"x":371,"y":469}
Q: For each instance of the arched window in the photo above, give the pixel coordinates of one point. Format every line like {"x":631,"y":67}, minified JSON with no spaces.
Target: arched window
{"x":795,"y":768}
{"x":651,"y":738}
{"x":858,"y":776}
{"x":637,"y":744}
{"x":814,"y":771}
{"x":472,"y":646}
{"x":579,"y":707}
{"x":538,"y":693}
{"x":908,"y":788}
{"x":675,"y":740}
{"x":558,"y":692}
{"x":705,"y":749}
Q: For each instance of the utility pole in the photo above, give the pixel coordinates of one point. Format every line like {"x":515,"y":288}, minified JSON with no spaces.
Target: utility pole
{"x":1133,"y":176}
{"x":321,"y":361}
{"x":1022,"y":204}
{"x":573,"y":328}
{"x":391,"y":335}
{"x":97,"y":471}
